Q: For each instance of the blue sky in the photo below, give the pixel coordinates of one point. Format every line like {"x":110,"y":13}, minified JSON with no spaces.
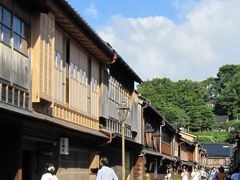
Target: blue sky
{"x":177,"y":39}
{"x":98,"y":12}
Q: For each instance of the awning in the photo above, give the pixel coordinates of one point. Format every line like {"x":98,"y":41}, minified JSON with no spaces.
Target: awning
{"x":155,"y":153}
{"x":57,"y":121}
{"x":188,"y":163}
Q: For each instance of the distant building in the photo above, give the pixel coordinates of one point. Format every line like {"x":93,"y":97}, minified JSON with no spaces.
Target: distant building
{"x":221,"y":119}
{"x":211,"y":103}
{"x":219,"y":154}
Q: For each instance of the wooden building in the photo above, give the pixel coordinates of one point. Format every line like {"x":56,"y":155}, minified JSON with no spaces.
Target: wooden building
{"x":187,"y":146}
{"x":159,"y":143}
{"x":219,"y":154}
{"x":60,"y":86}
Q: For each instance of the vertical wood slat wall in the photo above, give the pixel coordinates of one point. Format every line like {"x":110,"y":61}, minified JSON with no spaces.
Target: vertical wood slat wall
{"x":54,"y":72}
{"x":47,"y":25}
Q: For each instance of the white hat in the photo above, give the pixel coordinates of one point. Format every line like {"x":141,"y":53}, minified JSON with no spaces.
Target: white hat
{"x":51,"y":168}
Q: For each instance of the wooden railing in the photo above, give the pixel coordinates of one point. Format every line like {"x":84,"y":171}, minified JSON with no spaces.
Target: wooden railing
{"x":75,"y":117}
{"x":14,"y":96}
{"x":115,"y":126}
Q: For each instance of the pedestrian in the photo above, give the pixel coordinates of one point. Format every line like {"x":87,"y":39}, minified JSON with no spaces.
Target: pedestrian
{"x":50,"y":173}
{"x":236,"y":174}
{"x":195,"y":174}
{"x":203,"y":173}
{"x":184,"y":174}
{"x":105,"y":173}
{"x":169,"y":174}
{"x":213,"y":173}
{"x":221,"y":175}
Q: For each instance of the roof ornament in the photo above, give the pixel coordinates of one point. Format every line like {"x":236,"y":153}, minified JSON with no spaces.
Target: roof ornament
{"x":114,"y":57}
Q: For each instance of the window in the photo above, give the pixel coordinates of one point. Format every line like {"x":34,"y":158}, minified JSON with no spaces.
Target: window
{"x":116,"y":91}
{"x":58,"y":60}
{"x":19,"y":28}
{"x":94,"y":84}
{"x":5,"y":21}
{"x":20,"y":35}
{"x":76,"y":72}
{"x":1,"y":13}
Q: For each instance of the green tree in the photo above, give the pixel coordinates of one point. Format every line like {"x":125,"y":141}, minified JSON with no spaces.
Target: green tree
{"x":228,"y":102}
{"x":182,"y":102}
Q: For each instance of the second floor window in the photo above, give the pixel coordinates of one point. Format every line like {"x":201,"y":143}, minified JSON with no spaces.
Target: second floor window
{"x":5,"y":19}
{"x":20,"y":35}
{"x":58,"y":60}
{"x":19,"y":29}
{"x":116,"y":91}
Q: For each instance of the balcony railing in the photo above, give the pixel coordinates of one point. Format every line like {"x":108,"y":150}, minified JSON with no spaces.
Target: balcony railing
{"x":14,"y":96}
{"x":115,"y":126}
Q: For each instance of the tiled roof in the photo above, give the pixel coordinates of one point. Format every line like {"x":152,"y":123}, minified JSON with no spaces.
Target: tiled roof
{"x":218,"y":150}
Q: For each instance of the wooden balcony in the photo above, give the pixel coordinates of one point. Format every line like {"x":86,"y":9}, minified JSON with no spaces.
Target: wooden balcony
{"x":14,"y":96}
{"x":115,"y":126}
{"x":75,"y":117}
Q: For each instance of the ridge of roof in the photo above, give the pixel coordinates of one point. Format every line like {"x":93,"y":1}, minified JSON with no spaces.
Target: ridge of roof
{"x":107,"y":47}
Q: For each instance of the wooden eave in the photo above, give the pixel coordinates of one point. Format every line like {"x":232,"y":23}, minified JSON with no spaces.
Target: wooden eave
{"x":79,"y":30}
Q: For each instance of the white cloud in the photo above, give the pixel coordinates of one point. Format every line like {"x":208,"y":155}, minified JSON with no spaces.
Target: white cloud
{"x":195,"y":49}
{"x":92,"y":11}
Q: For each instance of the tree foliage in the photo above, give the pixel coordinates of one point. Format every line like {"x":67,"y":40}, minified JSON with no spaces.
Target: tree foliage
{"x":184,"y":102}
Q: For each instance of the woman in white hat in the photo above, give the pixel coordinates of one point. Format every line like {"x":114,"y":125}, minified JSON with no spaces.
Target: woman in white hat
{"x":49,"y":175}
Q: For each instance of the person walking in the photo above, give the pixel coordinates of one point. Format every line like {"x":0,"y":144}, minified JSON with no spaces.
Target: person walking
{"x":105,"y":173}
{"x":236,"y":174}
{"x":184,"y":174}
{"x":203,"y":173}
{"x":50,"y":174}
{"x":195,"y":174}
{"x":213,"y":173}
{"x":221,"y":175}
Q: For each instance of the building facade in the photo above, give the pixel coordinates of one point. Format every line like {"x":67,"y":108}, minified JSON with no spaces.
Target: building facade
{"x":60,"y":89}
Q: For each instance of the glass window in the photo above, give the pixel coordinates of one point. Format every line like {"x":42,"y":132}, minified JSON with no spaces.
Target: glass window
{"x":0,"y":13}
{"x":6,"y":35}
{"x":24,"y":46}
{"x":24,"y":30}
{"x":17,"y":25}
{"x":72,"y":70}
{"x":6,"y":18}
{"x":58,"y":59}
{"x":84,"y":78}
{"x":17,"y":41}
{"x":75,"y":72}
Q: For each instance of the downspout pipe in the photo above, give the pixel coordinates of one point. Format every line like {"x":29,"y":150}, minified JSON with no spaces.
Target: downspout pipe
{"x":160,"y":139}
{"x":108,"y":133}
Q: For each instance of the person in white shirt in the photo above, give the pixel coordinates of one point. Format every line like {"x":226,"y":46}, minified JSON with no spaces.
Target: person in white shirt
{"x":50,"y":174}
{"x":106,"y":173}
{"x":195,"y":174}
{"x":184,"y":175}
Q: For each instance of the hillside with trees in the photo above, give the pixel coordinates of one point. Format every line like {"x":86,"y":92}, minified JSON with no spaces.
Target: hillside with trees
{"x":184,"y":103}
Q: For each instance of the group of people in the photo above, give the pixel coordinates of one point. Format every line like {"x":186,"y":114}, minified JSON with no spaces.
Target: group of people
{"x":196,"y":174}
{"x":220,"y":174}
{"x":105,"y":173}
{"x":213,"y":174}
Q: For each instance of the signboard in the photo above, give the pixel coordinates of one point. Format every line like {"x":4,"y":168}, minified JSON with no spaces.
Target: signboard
{"x":64,"y":146}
